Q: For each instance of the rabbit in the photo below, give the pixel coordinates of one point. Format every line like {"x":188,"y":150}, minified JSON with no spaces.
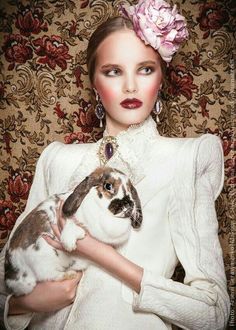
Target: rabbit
{"x":105,"y":203}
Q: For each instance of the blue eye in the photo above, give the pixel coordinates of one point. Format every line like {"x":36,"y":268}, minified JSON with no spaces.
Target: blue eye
{"x":147,"y":70}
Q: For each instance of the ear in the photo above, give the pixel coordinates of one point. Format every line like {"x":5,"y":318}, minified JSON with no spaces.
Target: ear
{"x":137,"y":216}
{"x":74,"y":201}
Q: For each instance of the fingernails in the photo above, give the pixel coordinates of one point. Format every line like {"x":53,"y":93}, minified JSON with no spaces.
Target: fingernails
{"x":47,"y":236}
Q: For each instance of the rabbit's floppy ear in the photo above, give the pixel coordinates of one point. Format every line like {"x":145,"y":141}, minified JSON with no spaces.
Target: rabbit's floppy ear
{"x":74,"y":201}
{"x":137,"y":217}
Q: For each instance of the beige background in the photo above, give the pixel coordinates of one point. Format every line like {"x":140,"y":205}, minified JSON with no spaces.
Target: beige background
{"x":45,"y":94}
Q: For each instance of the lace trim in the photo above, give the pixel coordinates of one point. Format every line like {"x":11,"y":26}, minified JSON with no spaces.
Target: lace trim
{"x":128,"y":158}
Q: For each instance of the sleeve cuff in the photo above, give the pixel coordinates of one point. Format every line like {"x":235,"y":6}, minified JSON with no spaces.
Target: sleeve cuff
{"x":15,"y":322}
{"x":139,"y":297}
{"x":157,"y":290}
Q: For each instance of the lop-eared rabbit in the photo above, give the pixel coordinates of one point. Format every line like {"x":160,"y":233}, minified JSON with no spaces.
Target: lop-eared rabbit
{"x":105,"y":203}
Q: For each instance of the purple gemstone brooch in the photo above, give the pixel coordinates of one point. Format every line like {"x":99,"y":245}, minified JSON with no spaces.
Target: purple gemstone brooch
{"x":107,"y":149}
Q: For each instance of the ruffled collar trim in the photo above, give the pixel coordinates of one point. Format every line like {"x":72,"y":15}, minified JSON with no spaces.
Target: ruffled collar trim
{"x":130,"y":156}
{"x":148,"y":127}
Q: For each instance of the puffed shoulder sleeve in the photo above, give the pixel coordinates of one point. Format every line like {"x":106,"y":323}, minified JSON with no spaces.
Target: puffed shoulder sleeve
{"x":202,"y":301}
{"x":38,"y":192}
{"x":210,"y":162}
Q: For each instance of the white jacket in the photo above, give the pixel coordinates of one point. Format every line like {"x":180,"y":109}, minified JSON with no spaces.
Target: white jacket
{"x":178,"y":180}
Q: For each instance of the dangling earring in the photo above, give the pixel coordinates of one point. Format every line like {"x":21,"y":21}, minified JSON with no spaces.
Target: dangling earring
{"x":99,"y":109}
{"x":158,"y":107}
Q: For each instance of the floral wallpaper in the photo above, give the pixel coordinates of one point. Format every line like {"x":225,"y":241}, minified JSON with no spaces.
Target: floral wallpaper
{"x":45,"y":94}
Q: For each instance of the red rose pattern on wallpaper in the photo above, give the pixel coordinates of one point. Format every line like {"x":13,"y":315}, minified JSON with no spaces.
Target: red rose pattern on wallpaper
{"x":77,"y":137}
{"x":212,"y":17}
{"x":45,"y":95}
{"x":2,"y":90}
{"x":19,"y":185}
{"x":30,"y":20}
{"x":8,"y":216}
{"x":59,"y":112}
{"x":52,"y":51}
{"x":85,"y":117}
{"x":16,"y":50}
{"x":7,"y":139}
{"x":181,"y":82}
{"x":78,"y":72}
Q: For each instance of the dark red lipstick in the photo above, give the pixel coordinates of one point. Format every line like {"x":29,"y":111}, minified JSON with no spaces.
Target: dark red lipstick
{"x":131,"y":103}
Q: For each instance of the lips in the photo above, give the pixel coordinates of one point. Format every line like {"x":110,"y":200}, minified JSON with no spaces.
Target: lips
{"x":131,"y":103}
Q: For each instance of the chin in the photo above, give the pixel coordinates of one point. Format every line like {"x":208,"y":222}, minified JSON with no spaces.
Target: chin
{"x":136,"y":118}
{"x":125,"y":119}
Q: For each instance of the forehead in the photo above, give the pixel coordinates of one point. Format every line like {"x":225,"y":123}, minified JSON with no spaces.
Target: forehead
{"x":124,"y":47}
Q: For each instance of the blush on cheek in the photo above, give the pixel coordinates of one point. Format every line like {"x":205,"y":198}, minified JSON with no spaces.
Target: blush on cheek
{"x":154,"y":86}
{"x":106,"y":93}
{"x":152,"y":91}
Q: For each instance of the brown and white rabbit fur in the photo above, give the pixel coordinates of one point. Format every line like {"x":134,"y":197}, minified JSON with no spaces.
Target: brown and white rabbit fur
{"x":105,"y":203}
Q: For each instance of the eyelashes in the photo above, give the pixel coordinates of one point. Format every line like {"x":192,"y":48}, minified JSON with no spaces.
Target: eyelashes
{"x":147,"y":70}
{"x":112,"y":72}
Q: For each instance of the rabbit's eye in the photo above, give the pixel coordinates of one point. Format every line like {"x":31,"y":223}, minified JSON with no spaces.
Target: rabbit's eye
{"x":108,"y":186}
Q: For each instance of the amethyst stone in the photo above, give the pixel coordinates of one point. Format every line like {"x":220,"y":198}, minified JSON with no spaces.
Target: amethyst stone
{"x":108,"y":150}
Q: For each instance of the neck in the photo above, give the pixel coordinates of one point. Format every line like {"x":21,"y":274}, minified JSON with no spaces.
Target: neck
{"x":113,"y":128}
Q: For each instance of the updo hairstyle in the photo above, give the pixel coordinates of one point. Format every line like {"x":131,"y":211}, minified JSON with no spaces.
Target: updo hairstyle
{"x":104,"y":30}
{"x":114,"y":24}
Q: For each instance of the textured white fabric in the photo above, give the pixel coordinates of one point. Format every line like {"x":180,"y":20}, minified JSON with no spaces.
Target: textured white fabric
{"x":178,"y":181}
{"x":129,"y":156}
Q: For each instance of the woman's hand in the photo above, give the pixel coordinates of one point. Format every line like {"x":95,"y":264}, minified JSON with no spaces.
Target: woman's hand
{"x":55,"y":241}
{"x":83,"y":246}
{"x":102,"y":254}
{"x":46,"y":297}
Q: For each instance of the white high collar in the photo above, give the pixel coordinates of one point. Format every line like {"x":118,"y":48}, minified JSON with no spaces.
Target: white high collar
{"x":133,"y":150}
{"x":147,"y":128}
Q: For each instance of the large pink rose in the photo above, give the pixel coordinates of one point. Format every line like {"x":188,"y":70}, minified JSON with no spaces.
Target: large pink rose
{"x":158,"y":25}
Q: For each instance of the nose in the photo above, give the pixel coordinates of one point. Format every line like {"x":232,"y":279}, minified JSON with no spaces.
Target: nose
{"x":130,"y":84}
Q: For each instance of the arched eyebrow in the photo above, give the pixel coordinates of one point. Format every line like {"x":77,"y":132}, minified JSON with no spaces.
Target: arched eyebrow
{"x":112,"y":65}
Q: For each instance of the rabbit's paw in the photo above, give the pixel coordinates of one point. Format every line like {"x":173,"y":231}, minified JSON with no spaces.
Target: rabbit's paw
{"x":69,"y":275}
{"x":70,"y":234}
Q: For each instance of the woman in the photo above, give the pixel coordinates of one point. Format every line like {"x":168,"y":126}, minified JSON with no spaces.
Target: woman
{"x":177,"y":181}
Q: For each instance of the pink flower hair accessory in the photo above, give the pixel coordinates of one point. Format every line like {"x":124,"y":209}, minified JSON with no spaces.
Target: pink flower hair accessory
{"x":158,"y":25}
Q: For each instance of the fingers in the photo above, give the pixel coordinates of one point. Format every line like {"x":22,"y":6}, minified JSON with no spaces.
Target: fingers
{"x":52,"y":242}
{"x":78,"y":277}
{"x":60,"y":219}
{"x":56,"y":231}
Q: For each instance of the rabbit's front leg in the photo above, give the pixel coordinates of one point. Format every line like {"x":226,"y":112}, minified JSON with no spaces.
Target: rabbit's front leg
{"x":70,"y":234}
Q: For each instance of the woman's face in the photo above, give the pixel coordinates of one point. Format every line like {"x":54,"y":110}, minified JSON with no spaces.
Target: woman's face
{"x":126,"y":69}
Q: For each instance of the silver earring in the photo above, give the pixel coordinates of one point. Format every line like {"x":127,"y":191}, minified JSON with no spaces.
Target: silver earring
{"x":99,"y":109}
{"x":158,"y":107}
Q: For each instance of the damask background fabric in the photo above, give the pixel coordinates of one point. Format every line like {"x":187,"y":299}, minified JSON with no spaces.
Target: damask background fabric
{"x":45,"y":94}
